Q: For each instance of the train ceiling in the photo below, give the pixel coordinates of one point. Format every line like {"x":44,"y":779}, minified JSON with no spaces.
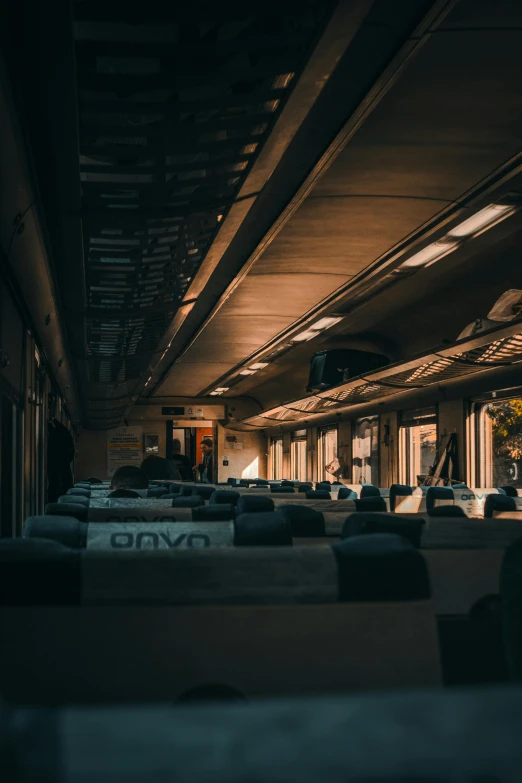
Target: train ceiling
{"x":217,"y":177}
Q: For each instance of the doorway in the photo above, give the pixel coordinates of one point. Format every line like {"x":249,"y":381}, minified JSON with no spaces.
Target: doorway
{"x":190,"y":440}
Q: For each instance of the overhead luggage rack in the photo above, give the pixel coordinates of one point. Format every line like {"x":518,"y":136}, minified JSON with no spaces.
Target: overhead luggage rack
{"x":498,"y":348}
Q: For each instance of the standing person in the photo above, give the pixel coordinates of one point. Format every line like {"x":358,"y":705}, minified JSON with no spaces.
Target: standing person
{"x":205,"y":468}
{"x":181,"y":461}
{"x":160,"y":469}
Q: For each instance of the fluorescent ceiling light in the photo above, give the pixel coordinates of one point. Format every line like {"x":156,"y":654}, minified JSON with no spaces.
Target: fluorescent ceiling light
{"x":214,"y":394}
{"x":258,"y":366}
{"x":483,"y":219}
{"x":247,"y":372}
{"x":431,"y":253}
{"x":221,"y":389}
{"x":325,"y":323}
{"x":300,"y":338}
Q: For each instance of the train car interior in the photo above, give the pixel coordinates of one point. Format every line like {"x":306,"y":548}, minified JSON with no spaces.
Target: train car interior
{"x":261,"y":391}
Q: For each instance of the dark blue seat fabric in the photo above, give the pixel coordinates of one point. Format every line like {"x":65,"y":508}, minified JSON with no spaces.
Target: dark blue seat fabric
{"x":176,"y":489}
{"x":303,"y":521}
{"x":447,"y":511}
{"x":345,"y":493}
{"x":248,"y":504}
{"x":204,"y":491}
{"x":323,"y":485}
{"x":124,"y":493}
{"x":79,"y":491}
{"x":399,"y":490}
{"x":305,"y":487}
{"x":283,"y":489}
{"x":77,"y":499}
{"x":369,"y":491}
{"x":68,"y":531}
{"x":380,"y":567}
{"x":437,"y":493}
{"x":188,"y":501}
{"x":37,"y":571}
{"x":232,"y":482}
{"x":361,"y":523}
{"x":156,"y":492}
{"x":228,"y":496}
{"x":370,"y":504}
{"x":318,"y":494}
{"x":509,"y":491}
{"x":498,"y":503}
{"x":221,"y":512}
{"x":511,"y":595}
{"x":76,"y":510}
{"x":263,"y":529}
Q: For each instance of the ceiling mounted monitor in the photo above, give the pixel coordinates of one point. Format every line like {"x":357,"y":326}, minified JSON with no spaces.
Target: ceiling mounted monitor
{"x":329,"y":368}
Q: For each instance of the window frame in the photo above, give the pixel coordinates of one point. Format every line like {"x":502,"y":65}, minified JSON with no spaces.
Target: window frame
{"x":276,"y":457}
{"x":321,"y":441}
{"x":408,"y":420}
{"x":374,"y":417}
{"x":298,"y":437}
{"x":479,"y":469}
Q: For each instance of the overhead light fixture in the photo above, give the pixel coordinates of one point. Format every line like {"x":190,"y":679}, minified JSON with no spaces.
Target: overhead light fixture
{"x":219,"y":390}
{"x":432,"y":253}
{"x":247,"y":372}
{"x":314,"y":329}
{"x":486,"y":218}
{"x":300,"y":338}
{"x":258,"y":365}
{"x":325,"y":323}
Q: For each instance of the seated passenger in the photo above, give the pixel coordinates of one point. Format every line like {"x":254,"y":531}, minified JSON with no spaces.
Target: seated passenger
{"x":128,"y":477}
{"x":181,"y":462}
{"x":159,"y":468}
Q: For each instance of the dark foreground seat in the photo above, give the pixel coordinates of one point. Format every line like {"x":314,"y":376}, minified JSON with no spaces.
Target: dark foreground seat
{"x":372,"y":503}
{"x":511,"y":595}
{"x":247,"y":504}
{"x":228,"y":496}
{"x":318,"y":494}
{"x":279,"y":620}
{"x":364,"y":523}
{"x":434,"y":735}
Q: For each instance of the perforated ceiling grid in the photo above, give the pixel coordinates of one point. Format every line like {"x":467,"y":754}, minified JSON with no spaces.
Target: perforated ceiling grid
{"x":174,"y":107}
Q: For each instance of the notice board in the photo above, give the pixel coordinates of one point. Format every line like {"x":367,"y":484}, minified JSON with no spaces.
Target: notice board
{"x":123,"y":448}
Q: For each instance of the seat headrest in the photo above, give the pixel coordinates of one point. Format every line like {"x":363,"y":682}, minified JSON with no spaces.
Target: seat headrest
{"x":437,"y":493}
{"x":366,"y":523}
{"x":188,"y":501}
{"x":304,"y":487}
{"x":124,"y":493}
{"x":318,"y":494}
{"x":370,"y":504}
{"x":282,"y":489}
{"x":380,"y":567}
{"x":510,"y":491}
{"x":494,"y":503}
{"x":76,"y":499}
{"x":229,"y":496}
{"x":79,"y":491}
{"x":221,"y":512}
{"x":156,"y":492}
{"x":76,"y":510}
{"x":447,"y":511}
{"x":345,"y":493}
{"x":248,"y":504}
{"x":36,"y":572}
{"x":369,"y":491}
{"x":399,"y":490}
{"x":175,"y":488}
{"x":204,"y":490}
{"x":323,"y":485}
{"x":68,"y":531}
{"x":263,"y":529}
{"x":303,"y":520}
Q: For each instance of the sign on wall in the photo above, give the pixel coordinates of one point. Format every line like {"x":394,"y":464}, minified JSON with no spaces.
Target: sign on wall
{"x":123,"y":448}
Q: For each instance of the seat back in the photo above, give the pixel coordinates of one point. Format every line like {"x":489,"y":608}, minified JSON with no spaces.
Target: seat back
{"x":254,"y":503}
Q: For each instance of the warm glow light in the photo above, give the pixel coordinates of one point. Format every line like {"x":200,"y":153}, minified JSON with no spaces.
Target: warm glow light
{"x":325,"y":323}
{"x":221,"y":389}
{"x":258,"y":366}
{"x":214,"y":394}
{"x":300,"y":338}
{"x":252,"y":471}
{"x":430,"y":254}
{"x":247,"y":372}
{"x":483,"y":219}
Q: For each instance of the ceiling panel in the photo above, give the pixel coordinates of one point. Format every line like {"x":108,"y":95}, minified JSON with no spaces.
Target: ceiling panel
{"x":292,"y":295}
{"x":249,"y":330}
{"x":188,"y":379}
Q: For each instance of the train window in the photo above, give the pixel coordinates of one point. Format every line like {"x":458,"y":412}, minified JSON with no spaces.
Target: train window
{"x":298,"y":455}
{"x":500,"y":443}
{"x":418,"y":445}
{"x":327,"y":451}
{"x":366,"y":451}
{"x":276,"y":458}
